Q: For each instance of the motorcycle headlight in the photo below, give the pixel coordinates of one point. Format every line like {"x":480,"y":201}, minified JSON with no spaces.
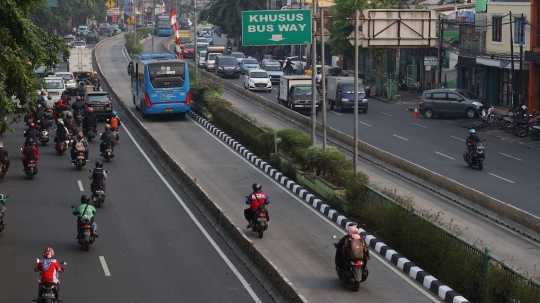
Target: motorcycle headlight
{"x":478,"y":104}
{"x":364,"y":100}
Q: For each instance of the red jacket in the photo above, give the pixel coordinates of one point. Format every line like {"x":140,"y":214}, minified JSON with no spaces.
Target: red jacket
{"x":255,"y":199}
{"x":49,"y":270}
{"x":25,"y":152}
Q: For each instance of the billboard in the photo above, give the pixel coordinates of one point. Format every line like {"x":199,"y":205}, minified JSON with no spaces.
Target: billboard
{"x":465,"y":16}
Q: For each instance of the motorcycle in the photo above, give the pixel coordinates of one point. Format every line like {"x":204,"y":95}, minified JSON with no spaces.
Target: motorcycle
{"x":260,"y":222}
{"x":31,"y":169}
{"x":535,"y":132}
{"x":96,"y":87}
{"x":79,"y":118}
{"x":60,"y":147}
{"x":352,"y":272}
{"x":478,"y":155}
{"x":47,"y":290}
{"x":85,"y":237}
{"x":80,"y":161}
{"x":1,"y":223}
{"x":3,"y":168}
{"x":90,"y":133}
{"x":108,"y":153}
{"x":49,"y":113}
{"x":44,"y":136}
{"x":522,"y":128}
{"x":98,"y":196}
{"x":488,"y":116}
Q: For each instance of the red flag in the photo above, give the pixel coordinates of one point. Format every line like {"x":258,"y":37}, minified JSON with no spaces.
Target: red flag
{"x":172,"y":16}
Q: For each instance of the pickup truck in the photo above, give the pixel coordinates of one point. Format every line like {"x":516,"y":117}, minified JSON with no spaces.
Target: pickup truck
{"x":295,"y":92}
{"x":340,"y":93}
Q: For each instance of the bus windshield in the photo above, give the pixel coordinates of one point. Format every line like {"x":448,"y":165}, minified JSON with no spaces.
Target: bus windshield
{"x":163,"y":23}
{"x":170,"y":74}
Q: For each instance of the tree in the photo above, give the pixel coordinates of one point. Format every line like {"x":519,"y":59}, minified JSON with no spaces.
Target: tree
{"x":23,"y":45}
{"x":342,"y":27}
{"x":227,"y":14}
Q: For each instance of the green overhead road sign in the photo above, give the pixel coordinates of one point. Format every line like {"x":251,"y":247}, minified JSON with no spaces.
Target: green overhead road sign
{"x":276,"y":27}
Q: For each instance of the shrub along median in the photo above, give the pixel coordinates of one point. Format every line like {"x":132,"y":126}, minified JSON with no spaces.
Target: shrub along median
{"x":132,"y":46}
{"x":422,"y":237}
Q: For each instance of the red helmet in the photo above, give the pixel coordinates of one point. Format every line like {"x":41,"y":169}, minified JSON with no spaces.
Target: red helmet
{"x":32,"y":125}
{"x":48,"y":253}
{"x":79,"y":98}
{"x":90,"y":109}
{"x":39,"y":106}
{"x":80,"y":135}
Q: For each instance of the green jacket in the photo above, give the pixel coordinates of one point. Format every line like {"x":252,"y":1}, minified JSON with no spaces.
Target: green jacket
{"x":90,"y":211}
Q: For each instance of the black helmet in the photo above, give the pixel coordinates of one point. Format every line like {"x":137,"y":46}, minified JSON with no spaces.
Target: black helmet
{"x":30,"y":141}
{"x":85,"y":199}
{"x":256,"y":186}
{"x":99,"y":164}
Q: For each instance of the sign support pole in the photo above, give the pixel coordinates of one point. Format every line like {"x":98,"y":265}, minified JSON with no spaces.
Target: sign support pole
{"x":195,"y":38}
{"x":355,"y":145}
{"x":314,"y":95}
{"x":323,"y":80}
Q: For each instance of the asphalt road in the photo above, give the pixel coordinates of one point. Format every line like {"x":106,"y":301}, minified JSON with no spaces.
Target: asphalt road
{"x":299,"y":240}
{"x":151,"y":247}
{"x":510,"y":169}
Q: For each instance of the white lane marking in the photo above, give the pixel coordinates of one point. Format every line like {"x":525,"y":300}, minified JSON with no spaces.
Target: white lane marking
{"x":124,"y":50}
{"x":316,"y":212}
{"x":201,"y":228}
{"x":444,"y":155}
{"x":458,"y":138}
{"x":510,"y":156}
{"x":80,"y":185}
{"x":401,"y":138}
{"x":335,"y":112}
{"x":364,"y":123}
{"x":494,"y":175}
{"x":104,"y":265}
{"x":420,"y":125}
{"x":386,"y":114}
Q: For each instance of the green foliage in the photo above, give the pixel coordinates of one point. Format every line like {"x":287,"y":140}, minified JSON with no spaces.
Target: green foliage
{"x":136,"y":47}
{"x":329,"y":164}
{"x":294,"y":143}
{"x":227,"y":14}
{"x":198,"y":90}
{"x":23,"y":46}
{"x":76,"y":10}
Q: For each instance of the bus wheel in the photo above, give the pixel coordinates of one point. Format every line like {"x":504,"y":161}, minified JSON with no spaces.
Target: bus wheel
{"x":144,"y":115}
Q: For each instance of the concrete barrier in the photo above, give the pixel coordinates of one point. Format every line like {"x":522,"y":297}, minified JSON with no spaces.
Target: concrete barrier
{"x":499,"y":207}
{"x":256,"y":261}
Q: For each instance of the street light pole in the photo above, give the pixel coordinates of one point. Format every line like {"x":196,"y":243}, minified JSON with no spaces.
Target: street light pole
{"x":195,"y":37}
{"x":313,"y":77}
{"x":152,"y":14}
{"x":355,"y":145}
{"x":522,"y":36}
{"x":323,"y":84}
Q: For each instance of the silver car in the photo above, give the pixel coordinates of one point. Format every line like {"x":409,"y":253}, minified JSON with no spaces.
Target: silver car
{"x":69,"y":80}
{"x":451,"y":102}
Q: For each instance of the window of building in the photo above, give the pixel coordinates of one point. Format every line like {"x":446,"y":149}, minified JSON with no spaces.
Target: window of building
{"x":496,"y":29}
{"x":519,"y":29}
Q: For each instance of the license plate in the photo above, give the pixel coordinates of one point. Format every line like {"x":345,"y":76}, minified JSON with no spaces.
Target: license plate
{"x":86,"y":233}
{"x":48,"y":295}
{"x":261,"y":219}
{"x":31,"y":165}
{"x":98,"y":107}
{"x":53,"y":93}
{"x":80,"y":157}
{"x":169,"y":109}
{"x":108,"y":151}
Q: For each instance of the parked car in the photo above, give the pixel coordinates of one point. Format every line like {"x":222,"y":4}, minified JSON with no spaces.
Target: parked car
{"x":239,"y":56}
{"x":249,"y":63}
{"x":101,"y":102}
{"x":452,"y":102}
{"x":188,"y":51}
{"x":257,"y":79}
{"x":226,"y":66}
{"x":69,"y":80}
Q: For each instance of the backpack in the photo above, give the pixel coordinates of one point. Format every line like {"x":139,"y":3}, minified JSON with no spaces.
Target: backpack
{"x":113,"y":122}
{"x":30,"y":153}
{"x":354,"y":249}
{"x":79,"y":146}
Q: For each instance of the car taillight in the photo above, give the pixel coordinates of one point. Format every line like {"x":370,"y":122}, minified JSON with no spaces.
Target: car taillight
{"x":421,"y":101}
{"x":188,"y":98}
{"x":148,"y":102}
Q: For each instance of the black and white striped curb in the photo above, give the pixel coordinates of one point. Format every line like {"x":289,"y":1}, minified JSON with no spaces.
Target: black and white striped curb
{"x":415,"y":272}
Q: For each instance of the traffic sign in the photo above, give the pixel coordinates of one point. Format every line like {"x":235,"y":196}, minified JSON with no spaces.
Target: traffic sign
{"x":130,"y":20}
{"x":110,"y":4}
{"x":115,"y":11}
{"x":276,"y":27}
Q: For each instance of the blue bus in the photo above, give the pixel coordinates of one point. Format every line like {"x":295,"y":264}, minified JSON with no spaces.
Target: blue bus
{"x":163,"y":26}
{"x":160,"y":84}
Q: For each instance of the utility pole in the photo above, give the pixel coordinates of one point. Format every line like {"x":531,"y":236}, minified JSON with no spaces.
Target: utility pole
{"x":355,"y":145}
{"x":323,"y":80}
{"x":512,"y":62}
{"x":195,"y":38}
{"x":521,"y":38}
{"x":313,"y":76}
{"x":152,"y":14}
{"x":440,"y":56}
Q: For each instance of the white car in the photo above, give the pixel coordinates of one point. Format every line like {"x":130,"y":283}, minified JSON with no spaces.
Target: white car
{"x":69,"y":79}
{"x":257,"y":79}
{"x":203,"y":41}
{"x":201,"y":57}
{"x":54,"y":86}
{"x":239,"y":56}
{"x":211,"y":61}
{"x":79,"y":44}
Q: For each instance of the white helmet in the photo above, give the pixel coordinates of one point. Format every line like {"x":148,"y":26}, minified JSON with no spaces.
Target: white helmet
{"x":524,"y":107}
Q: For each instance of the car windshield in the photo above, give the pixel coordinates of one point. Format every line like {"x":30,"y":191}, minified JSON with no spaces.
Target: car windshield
{"x":468,"y":95}
{"x":54,"y":84}
{"x":64,"y":76}
{"x":228,"y":61}
{"x":212,"y":56}
{"x":259,"y":75}
{"x":202,"y":54}
{"x":349,"y":89}
{"x":97,"y":98}
{"x":238,"y":55}
{"x":83,"y":27}
{"x":184,"y":39}
{"x":272,"y":67}
{"x":250,"y":61}
{"x":80,"y":43}
{"x":302,"y":90}
{"x":206,"y":29}
{"x":207,"y":36}
{"x":164,"y":70}
{"x":202,"y":47}
{"x":202,"y":40}
{"x":191,"y":46}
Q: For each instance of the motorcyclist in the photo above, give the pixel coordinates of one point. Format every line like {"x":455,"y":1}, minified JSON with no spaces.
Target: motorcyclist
{"x":64,"y":113}
{"x":81,"y":90}
{"x":70,"y":123}
{"x":90,"y":119}
{"x":4,"y":157}
{"x":98,"y":176}
{"x":471,"y":141}
{"x":85,"y":209}
{"x":3,"y":202}
{"x":341,"y":258}
{"x":50,"y":269}
{"x":288,"y":66}
{"x":95,"y":80}
{"x":31,"y":132}
{"x":42,"y":97}
{"x":78,"y":106}
{"x":60,"y":107}
{"x":80,"y":139}
{"x":107,"y":138}
{"x":61,"y":132}
{"x":254,"y":200}
{"x":30,"y":152}
{"x":45,"y":123}
{"x":114,"y":122}
{"x":65,"y":96}
{"x":39,"y":113}
{"x":49,"y":103}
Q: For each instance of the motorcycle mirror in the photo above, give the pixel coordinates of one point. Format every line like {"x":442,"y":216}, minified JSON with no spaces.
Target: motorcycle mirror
{"x":63,"y":262}
{"x":107,"y":171}
{"x":37,"y":260}
{"x":334,"y":237}
{"x":89,"y":171}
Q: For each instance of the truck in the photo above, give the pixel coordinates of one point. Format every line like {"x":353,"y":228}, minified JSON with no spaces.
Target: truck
{"x":340,"y":93}
{"x":210,"y":57}
{"x":295,"y":92}
{"x":185,"y":37}
{"x":80,"y":63}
